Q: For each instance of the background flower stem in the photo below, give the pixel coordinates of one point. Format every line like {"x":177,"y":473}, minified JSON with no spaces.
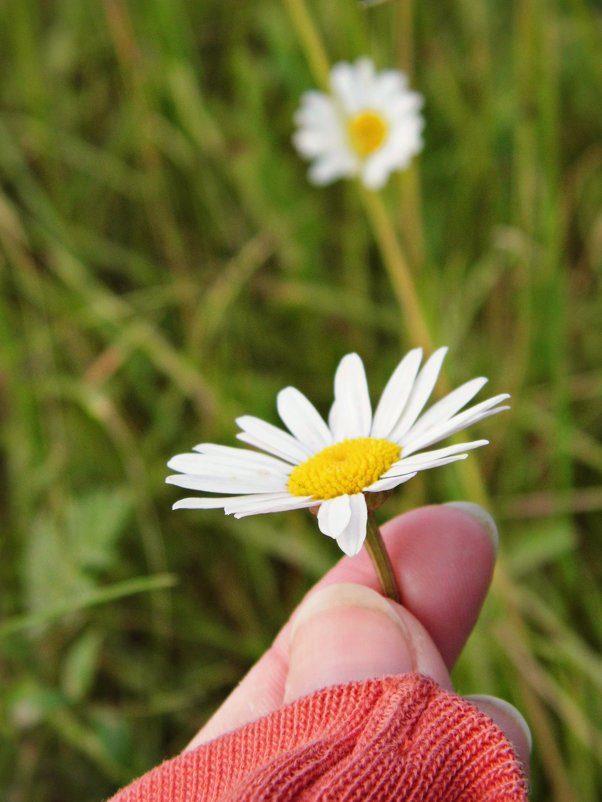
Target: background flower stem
{"x":311,"y":42}
{"x":398,"y":270}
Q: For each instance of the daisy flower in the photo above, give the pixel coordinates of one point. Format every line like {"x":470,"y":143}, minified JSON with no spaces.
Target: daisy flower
{"x":368,"y":126}
{"x":345,"y":467}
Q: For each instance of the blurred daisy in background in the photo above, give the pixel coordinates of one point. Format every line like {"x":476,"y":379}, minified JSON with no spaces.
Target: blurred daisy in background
{"x":368,"y":126}
{"x":345,"y":467}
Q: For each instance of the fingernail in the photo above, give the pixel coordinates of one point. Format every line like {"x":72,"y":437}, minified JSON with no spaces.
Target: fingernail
{"x":344,"y":633}
{"x":507,"y":711}
{"x":481,"y":515}
{"x":342,"y":595}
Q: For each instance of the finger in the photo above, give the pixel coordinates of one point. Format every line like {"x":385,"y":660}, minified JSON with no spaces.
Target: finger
{"x":511,"y":721}
{"x":449,"y":545}
{"x":446,"y":568}
{"x":345,"y":633}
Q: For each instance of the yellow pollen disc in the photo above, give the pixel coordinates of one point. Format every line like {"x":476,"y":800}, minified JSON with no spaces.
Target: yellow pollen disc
{"x":344,"y":468}
{"x":367,"y":132}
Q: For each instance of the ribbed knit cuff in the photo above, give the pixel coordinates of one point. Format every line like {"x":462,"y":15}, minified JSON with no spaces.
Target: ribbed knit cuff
{"x":397,"y":738}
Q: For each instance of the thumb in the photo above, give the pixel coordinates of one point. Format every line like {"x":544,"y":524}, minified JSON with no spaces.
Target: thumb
{"x":344,"y":633}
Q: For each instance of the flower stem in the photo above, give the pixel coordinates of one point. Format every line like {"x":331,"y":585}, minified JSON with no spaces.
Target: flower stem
{"x":398,"y":269}
{"x":380,"y":559}
{"x":310,"y":40}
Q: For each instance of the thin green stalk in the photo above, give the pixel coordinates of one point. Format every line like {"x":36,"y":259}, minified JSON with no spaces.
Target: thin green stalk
{"x":311,"y":42}
{"x":380,"y":559}
{"x":92,"y":598}
{"x":409,"y":214}
{"x":398,"y":269}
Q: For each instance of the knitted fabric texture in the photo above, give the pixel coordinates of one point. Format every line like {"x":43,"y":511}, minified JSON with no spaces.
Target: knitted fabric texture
{"x":397,"y":738}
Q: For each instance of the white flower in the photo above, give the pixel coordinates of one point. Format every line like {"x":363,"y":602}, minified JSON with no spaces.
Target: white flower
{"x":333,"y":466}
{"x":369,"y":126}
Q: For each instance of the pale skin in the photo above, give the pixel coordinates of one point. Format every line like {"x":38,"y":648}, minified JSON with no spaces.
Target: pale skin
{"x":344,"y":630}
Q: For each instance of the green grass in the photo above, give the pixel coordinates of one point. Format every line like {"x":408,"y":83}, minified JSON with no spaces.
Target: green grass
{"x":165,"y":266}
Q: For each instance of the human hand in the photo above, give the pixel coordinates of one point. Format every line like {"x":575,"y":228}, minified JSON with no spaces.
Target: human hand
{"x":344,"y":630}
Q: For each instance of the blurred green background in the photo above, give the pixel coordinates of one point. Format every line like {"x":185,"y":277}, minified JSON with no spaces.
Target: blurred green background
{"x":165,"y":267}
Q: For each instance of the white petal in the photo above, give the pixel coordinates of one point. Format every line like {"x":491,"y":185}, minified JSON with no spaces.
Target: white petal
{"x":453,"y":425}
{"x":185,"y":463}
{"x":352,"y":538}
{"x":240,"y":457}
{"x":234,"y":483}
{"x":320,"y":103}
{"x":365,"y":83}
{"x":389,"y":85}
{"x":247,"y":505}
{"x":439,"y":453}
{"x":447,"y":407}
{"x":344,"y":85}
{"x":351,"y":413}
{"x":259,"y":505}
{"x":320,"y":126}
{"x":396,"y":394}
{"x":428,"y":459}
{"x":365,"y":72}
{"x":395,"y":154}
{"x":375,"y":174}
{"x":425,"y":465}
{"x":405,"y":138}
{"x":259,"y":433}
{"x":310,"y":142}
{"x":404,"y":109}
{"x":239,"y":462}
{"x":389,"y":483}
{"x":199,"y":503}
{"x":334,"y":515}
{"x":322,"y":131}
{"x":331,"y":167}
{"x":423,"y":387}
{"x":303,"y":419}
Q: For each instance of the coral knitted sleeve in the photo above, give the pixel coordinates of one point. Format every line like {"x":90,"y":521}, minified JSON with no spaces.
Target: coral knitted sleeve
{"x":397,"y":738}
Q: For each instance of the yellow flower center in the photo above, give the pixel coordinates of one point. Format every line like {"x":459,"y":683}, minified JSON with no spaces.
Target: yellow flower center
{"x":367,"y":132}
{"x":344,"y":468}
